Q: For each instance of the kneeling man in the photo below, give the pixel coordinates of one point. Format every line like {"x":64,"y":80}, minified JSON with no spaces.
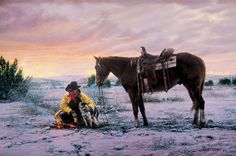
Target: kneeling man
{"x":76,"y":109}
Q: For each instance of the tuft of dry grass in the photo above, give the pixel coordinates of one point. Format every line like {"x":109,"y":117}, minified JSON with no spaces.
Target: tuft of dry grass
{"x":212,"y":93}
{"x":159,"y":100}
{"x":111,"y":104}
{"x":49,"y":107}
{"x":162,"y":143}
{"x":208,"y":88}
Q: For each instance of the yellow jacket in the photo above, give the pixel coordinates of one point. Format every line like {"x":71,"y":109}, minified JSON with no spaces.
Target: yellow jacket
{"x":64,"y":104}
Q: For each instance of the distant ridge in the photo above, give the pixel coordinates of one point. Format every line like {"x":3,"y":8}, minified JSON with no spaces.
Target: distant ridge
{"x":63,"y":78}
{"x":208,"y":76}
{"x":69,"y":78}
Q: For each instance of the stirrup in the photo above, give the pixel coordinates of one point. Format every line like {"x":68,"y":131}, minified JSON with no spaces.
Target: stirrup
{"x":150,"y":91}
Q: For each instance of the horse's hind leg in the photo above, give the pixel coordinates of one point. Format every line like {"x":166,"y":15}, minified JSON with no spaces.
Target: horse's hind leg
{"x":201,"y":106}
{"x":201,"y":115}
{"x":198,"y":105}
{"x":191,"y":94}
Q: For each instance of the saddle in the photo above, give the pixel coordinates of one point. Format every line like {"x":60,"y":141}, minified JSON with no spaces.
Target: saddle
{"x":148,"y":59}
{"x":148,"y":66}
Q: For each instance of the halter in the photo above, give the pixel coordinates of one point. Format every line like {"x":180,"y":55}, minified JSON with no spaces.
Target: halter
{"x":98,"y":63}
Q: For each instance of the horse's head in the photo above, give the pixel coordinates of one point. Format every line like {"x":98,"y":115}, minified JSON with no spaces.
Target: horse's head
{"x":101,"y":71}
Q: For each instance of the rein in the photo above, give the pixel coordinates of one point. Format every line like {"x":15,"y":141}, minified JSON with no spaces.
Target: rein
{"x":100,"y":100}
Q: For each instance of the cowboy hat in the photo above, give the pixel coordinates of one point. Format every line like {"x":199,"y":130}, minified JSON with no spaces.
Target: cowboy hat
{"x":72,"y":86}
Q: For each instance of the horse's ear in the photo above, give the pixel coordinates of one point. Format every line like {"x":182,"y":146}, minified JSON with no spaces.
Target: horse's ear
{"x":95,"y":57}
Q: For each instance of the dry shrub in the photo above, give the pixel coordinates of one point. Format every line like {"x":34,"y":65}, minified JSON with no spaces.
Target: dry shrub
{"x":13,"y":85}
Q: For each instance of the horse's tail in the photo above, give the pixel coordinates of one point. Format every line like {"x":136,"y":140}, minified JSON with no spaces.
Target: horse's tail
{"x":201,"y":86}
{"x":203,"y":79}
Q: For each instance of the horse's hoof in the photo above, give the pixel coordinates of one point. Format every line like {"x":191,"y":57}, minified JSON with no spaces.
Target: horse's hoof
{"x":202,"y":125}
{"x":195,"y":122}
{"x":137,"y":125}
{"x":145,"y":124}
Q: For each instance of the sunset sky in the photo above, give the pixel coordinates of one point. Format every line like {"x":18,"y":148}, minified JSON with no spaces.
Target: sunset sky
{"x":60,"y":37}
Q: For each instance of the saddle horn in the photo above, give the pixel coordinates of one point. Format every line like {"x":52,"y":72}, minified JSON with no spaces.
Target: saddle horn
{"x":143,"y":52}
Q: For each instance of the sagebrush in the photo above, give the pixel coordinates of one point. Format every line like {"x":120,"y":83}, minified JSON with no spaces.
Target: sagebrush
{"x":13,"y":85}
{"x":92,"y":79}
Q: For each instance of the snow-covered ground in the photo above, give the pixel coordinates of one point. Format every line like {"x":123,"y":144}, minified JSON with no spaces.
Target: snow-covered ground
{"x":24,"y":126}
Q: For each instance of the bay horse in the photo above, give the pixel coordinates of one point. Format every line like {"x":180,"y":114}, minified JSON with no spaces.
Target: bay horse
{"x":189,"y":71}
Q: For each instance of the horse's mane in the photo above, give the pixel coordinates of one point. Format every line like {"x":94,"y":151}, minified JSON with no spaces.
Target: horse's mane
{"x":130,"y":60}
{"x":121,"y":58}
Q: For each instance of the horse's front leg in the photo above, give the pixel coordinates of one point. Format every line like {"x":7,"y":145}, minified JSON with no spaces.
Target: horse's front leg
{"x":136,"y":121}
{"x":135,"y":103}
{"x":135,"y":112}
{"x":142,"y":110}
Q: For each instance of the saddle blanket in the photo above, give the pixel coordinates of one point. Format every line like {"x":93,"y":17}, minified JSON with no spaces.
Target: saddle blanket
{"x":169,"y":64}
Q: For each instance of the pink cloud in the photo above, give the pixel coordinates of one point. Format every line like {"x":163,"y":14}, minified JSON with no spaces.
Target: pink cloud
{"x":190,"y":3}
{"x":68,"y":28}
